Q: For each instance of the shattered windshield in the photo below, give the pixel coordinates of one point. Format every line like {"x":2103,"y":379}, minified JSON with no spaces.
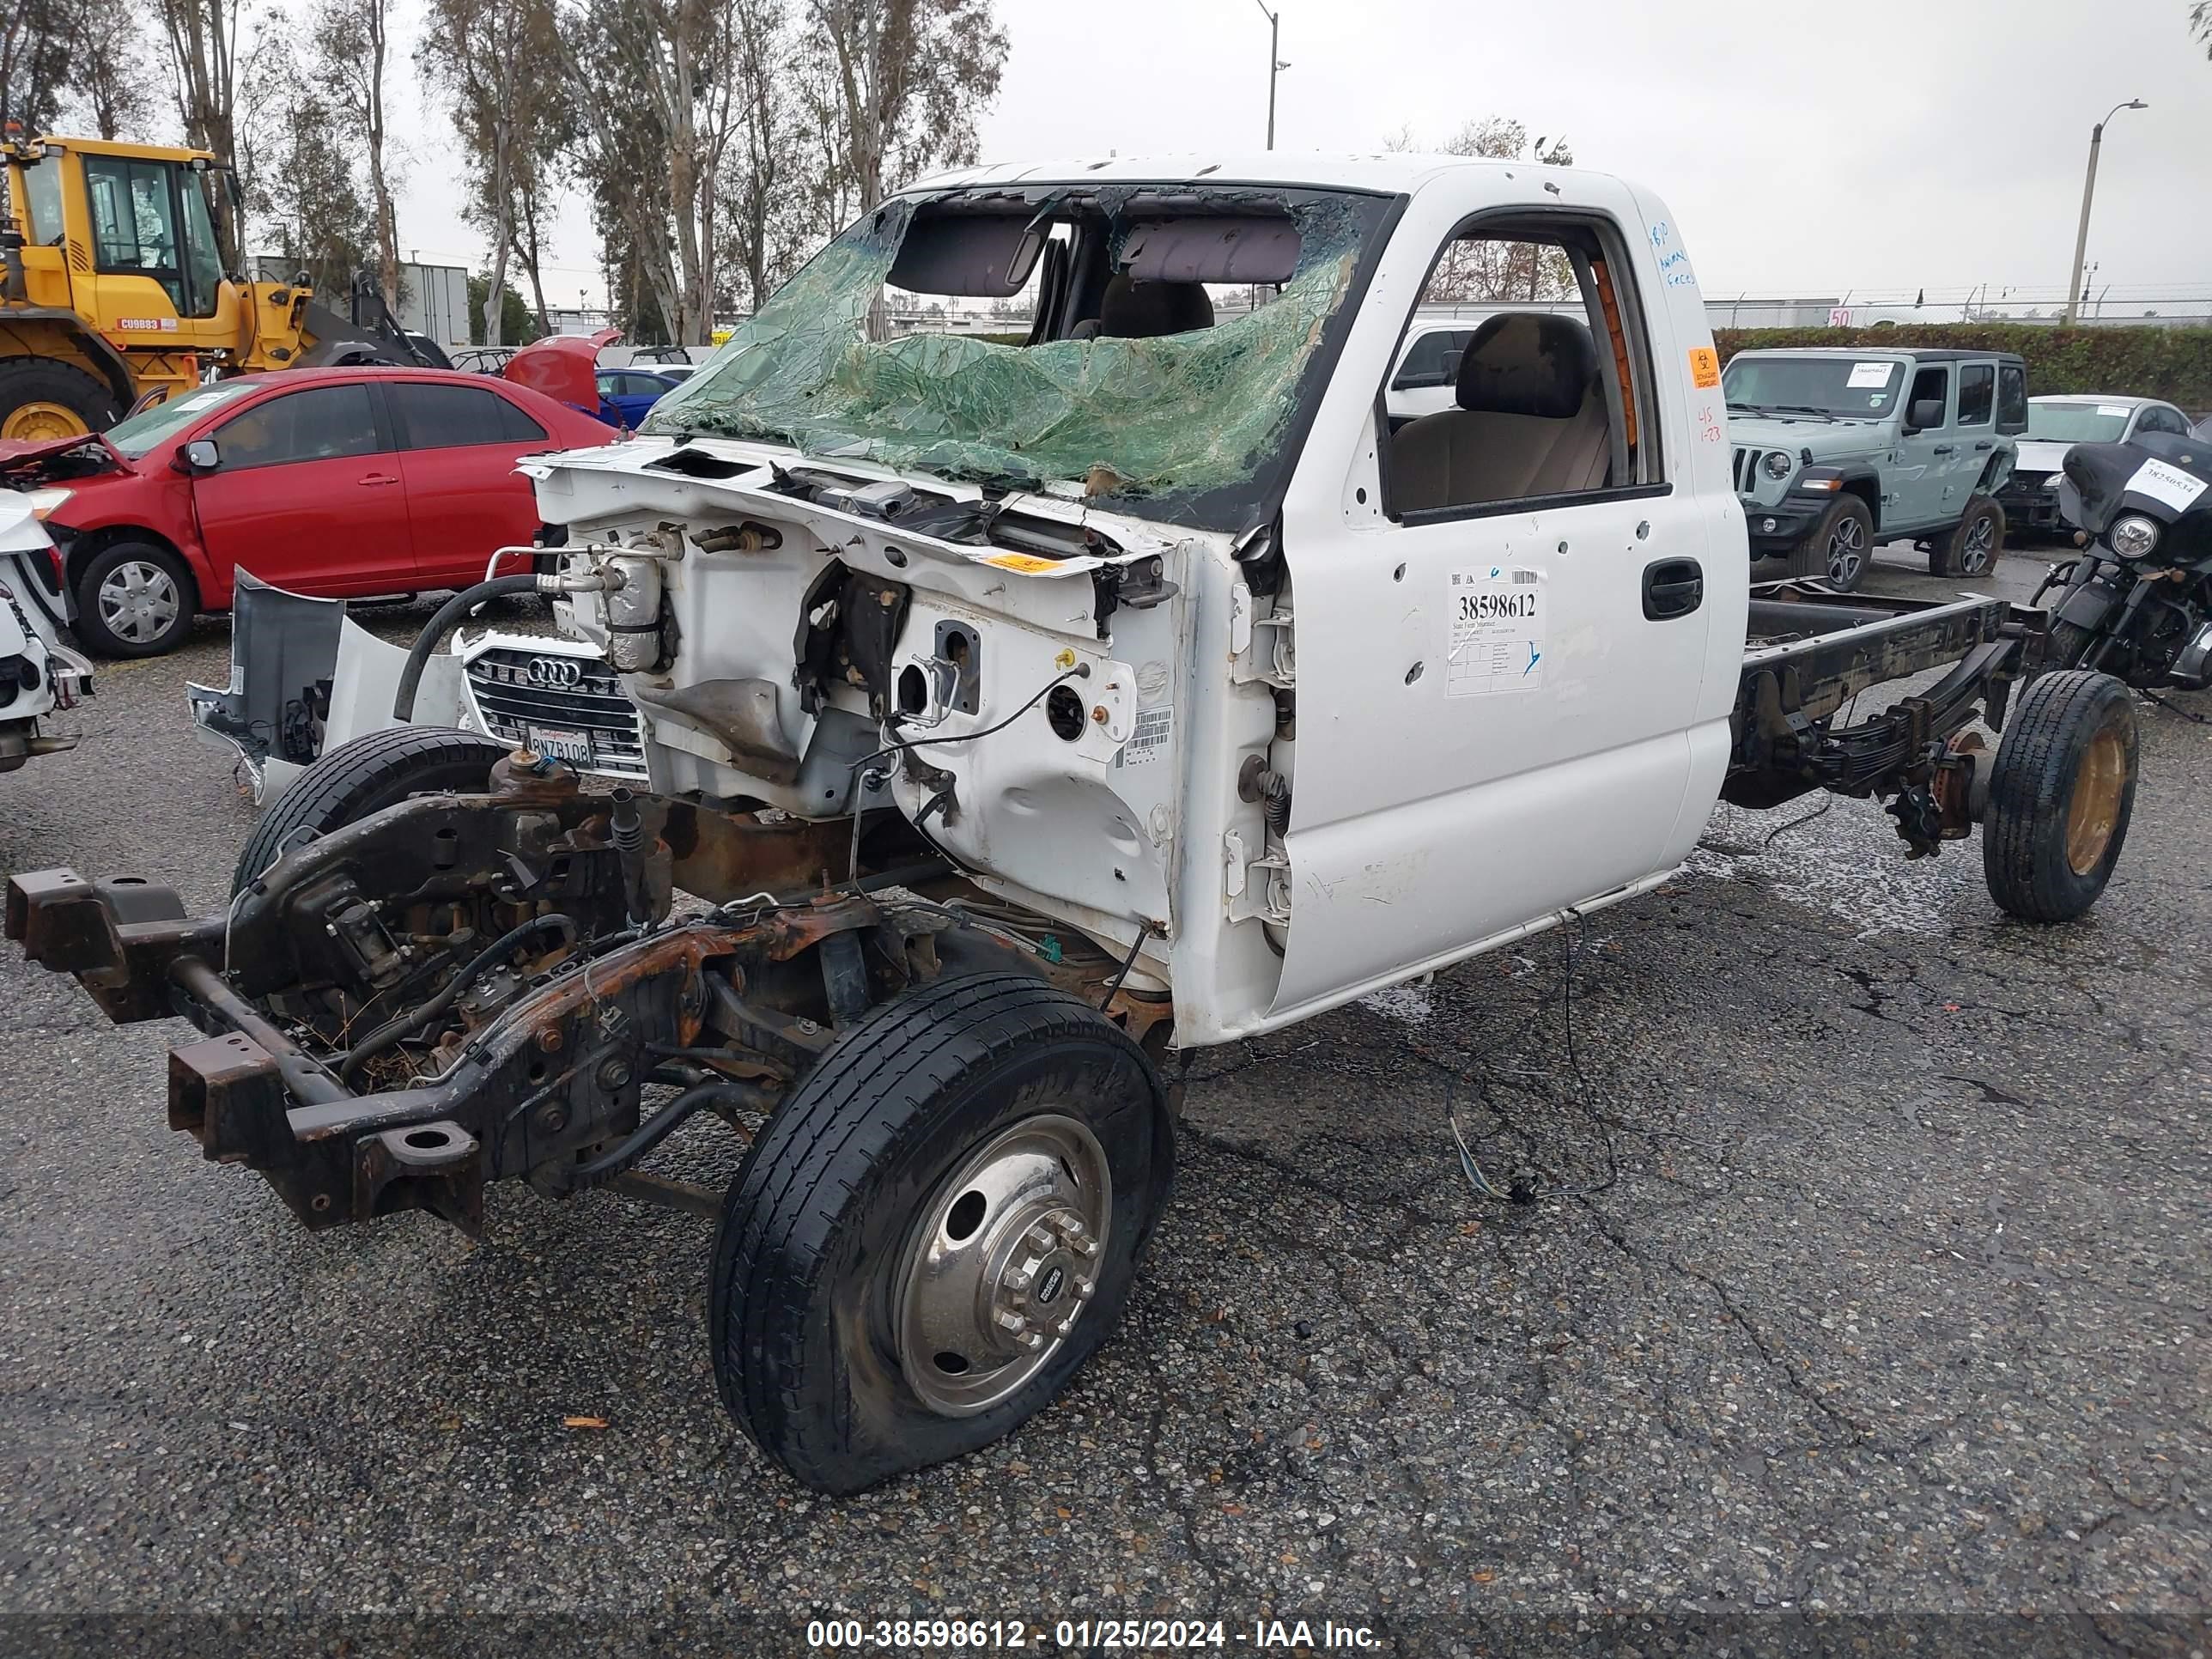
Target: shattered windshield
{"x":1137,"y":344}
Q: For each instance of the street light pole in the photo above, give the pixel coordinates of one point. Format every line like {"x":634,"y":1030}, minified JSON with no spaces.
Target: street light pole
{"x":2088,"y":190}
{"x":1275,"y":61}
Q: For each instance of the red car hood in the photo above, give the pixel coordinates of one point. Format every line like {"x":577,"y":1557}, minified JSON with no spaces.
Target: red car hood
{"x":21,"y":452}
{"x":565,"y":368}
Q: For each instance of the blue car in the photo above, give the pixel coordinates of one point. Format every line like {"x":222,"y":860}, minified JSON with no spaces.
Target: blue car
{"x":625,"y":394}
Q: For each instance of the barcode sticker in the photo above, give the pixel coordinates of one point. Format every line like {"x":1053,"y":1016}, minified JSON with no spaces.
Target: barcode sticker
{"x":2169,"y":485}
{"x":1150,"y":738}
{"x":1498,"y":622}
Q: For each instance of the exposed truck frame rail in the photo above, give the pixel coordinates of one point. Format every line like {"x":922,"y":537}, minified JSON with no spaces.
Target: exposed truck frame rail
{"x":1813,"y":654}
{"x":753,"y":991}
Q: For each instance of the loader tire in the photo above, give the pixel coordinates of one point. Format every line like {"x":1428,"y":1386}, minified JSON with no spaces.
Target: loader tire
{"x":41,"y":399}
{"x":937,"y":1230}
{"x":2061,"y":794}
{"x":371,"y":772}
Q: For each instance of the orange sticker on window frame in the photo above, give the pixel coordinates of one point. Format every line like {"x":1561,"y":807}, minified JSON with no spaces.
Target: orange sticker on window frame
{"x":1704,"y":368}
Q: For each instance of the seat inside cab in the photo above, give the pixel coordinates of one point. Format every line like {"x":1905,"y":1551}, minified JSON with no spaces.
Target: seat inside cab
{"x":1530,"y":420}
{"x":1134,"y":309}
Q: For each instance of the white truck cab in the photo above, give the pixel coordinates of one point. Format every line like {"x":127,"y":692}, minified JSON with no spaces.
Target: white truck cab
{"x":1426,"y":641}
{"x":1013,"y":713}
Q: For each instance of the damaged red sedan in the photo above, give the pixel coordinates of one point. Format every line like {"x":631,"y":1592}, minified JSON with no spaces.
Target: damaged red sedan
{"x":341,"y":484}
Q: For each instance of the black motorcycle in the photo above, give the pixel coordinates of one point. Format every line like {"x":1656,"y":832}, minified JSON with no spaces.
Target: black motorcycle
{"x":2137,"y":602}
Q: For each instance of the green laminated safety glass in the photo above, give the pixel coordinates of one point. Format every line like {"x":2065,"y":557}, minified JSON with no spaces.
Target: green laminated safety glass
{"x":1179,"y":414}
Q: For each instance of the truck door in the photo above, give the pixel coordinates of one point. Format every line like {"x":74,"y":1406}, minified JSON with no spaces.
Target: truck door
{"x":1927,"y":446}
{"x":1510,"y":669}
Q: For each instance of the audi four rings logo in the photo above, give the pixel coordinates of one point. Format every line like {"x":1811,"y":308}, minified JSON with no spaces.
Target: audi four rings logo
{"x":557,"y":672}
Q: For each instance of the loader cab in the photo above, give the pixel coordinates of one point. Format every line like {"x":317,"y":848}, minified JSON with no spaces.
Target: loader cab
{"x":121,"y":234}
{"x":113,"y":285}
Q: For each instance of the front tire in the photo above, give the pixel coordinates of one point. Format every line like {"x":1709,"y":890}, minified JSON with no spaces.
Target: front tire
{"x":366,"y":774}
{"x":1837,"y":548}
{"x":2061,"y":795}
{"x":937,"y":1231}
{"x":135,"y":600}
{"x":1971,"y":549}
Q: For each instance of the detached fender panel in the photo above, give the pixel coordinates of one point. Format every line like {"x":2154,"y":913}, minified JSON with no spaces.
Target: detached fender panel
{"x":282,"y":648}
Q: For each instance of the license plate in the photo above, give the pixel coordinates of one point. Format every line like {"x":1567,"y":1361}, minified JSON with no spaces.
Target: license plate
{"x":557,"y":743}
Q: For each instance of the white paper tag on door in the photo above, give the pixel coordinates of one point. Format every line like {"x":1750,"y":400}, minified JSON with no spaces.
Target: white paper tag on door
{"x":1869,"y":375}
{"x":1498,"y":621}
{"x":2167,"y":484}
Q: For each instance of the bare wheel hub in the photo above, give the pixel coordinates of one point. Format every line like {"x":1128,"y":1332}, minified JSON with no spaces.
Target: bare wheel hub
{"x":2093,"y":812}
{"x":1002,"y":1263}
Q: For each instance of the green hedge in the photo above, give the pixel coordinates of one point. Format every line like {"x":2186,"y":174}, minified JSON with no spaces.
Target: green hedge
{"x":2173,"y":363}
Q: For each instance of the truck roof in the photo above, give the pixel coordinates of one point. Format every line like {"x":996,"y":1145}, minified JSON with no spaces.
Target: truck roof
{"x":1918,"y":354}
{"x":1390,"y":173}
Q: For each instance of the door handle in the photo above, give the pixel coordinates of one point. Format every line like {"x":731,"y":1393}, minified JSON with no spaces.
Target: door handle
{"x":1984,"y":444}
{"x":378,"y":478}
{"x":1672,"y":588}
{"x":1942,"y":449}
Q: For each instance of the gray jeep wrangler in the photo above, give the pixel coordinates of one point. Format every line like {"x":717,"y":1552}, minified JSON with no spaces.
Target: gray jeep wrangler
{"x":1837,"y":449}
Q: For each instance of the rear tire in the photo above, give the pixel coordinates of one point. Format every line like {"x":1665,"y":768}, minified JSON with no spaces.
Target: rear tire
{"x":1837,"y":548}
{"x":954,"y":1153}
{"x":2061,"y":795}
{"x":41,"y":399}
{"x":1971,"y":548}
{"x":366,"y":774}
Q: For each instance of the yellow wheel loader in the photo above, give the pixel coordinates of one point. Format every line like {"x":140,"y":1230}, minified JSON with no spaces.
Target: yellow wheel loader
{"x":114,"y":295}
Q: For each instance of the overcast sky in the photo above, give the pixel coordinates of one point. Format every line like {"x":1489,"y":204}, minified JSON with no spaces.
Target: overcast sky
{"x":1876,"y":146}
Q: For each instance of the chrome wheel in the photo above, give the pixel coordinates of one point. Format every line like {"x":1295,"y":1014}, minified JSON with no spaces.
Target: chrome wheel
{"x":138,"y":601}
{"x":1979,"y":546}
{"x":1847,"y":550}
{"x":1002,"y":1263}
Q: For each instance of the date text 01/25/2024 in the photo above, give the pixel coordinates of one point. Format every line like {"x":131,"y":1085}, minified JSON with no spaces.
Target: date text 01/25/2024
{"x":1084,"y":1635}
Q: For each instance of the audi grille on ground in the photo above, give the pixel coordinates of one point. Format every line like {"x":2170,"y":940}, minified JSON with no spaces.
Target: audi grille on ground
{"x":557,"y":697}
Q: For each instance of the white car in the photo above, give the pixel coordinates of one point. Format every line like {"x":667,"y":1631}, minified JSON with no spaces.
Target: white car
{"x":38,"y":674}
{"x":2055,"y":425}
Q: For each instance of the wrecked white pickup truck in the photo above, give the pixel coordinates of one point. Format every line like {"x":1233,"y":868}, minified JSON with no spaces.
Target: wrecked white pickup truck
{"x":1012,"y":714}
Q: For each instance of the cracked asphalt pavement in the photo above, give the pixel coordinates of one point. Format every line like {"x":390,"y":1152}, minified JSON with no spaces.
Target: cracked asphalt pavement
{"x":1857,"y":1271}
